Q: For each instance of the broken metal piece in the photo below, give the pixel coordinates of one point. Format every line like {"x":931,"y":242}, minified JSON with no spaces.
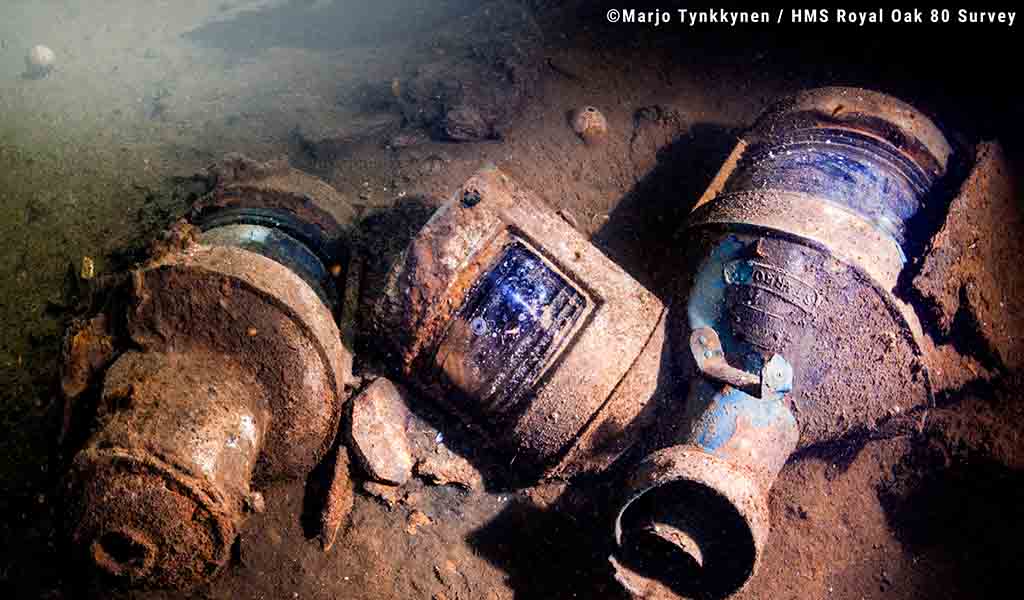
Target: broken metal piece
{"x":233,"y":370}
{"x":378,"y":435}
{"x":444,"y":467}
{"x":506,"y":314}
{"x":775,"y":379}
{"x":796,"y":248}
{"x":679,"y":538}
{"x":707,"y":353}
{"x":340,"y":498}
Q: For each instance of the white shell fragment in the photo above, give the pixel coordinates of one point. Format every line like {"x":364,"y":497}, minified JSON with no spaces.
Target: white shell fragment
{"x":40,"y":61}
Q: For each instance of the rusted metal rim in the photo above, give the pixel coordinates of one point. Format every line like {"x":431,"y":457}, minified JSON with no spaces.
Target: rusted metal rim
{"x":865,"y":111}
{"x":251,"y":195}
{"x":280,"y":236}
{"x":276,"y":195}
{"x":845,"y":234}
{"x":287,"y":295}
{"x":148,"y":547}
{"x":719,"y":509}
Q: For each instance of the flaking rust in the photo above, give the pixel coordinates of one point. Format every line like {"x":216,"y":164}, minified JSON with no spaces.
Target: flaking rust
{"x":219,"y":364}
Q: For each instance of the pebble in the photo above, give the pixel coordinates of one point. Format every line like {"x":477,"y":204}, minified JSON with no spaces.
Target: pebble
{"x":40,"y":61}
{"x":379,"y":439}
{"x":590,"y":124}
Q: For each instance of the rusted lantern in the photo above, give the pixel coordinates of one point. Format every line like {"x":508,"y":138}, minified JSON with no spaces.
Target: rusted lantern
{"x":790,"y":330}
{"x":231,"y":368}
{"x":504,"y":313}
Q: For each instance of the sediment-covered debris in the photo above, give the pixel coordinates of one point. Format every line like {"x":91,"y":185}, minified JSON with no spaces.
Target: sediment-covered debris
{"x":444,"y":467}
{"x":339,"y":500}
{"x":379,"y":438}
{"x":227,"y":367}
{"x":970,"y":277}
{"x":590,"y":124}
{"x":386,"y":493}
{"x":483,"y":69}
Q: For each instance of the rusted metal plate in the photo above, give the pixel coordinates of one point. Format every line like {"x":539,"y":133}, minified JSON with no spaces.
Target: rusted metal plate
{"x":630,"y":412}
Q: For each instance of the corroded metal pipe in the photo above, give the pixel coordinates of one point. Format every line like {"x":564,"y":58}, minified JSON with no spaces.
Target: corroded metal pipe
{"x":232,"y":370}
{"x":791,"y":333}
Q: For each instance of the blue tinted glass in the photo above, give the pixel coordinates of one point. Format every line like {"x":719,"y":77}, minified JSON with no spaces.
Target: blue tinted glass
{"x":514,"y":318}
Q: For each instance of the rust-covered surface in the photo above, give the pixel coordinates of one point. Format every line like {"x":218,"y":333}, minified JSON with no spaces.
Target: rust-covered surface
{"x":240,"y":182}
{"x":228,"y":369}
{"x":632,"y":408}
{"x":788,"y":328}
{"x":242,"y":304}
{"x":497,"y":242}
{"x":156,"y":497}
{"x":88,"y":348}
{"x":726,"y":516}
{"x":813,"y":264}
{"x":851,"y":348}
{"x":339,"y":500}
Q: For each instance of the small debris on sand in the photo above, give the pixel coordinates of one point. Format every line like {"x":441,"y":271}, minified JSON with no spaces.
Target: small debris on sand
{"x":590,"y":124}
{"x":39,"y":62}
{"x":255,"y":503}
{"x":388,"y":494}
{"x":416,"y":519}
{"x":444,"y":467}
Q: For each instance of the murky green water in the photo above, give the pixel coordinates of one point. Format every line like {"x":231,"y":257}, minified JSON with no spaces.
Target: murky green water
{"x":142,"y":92}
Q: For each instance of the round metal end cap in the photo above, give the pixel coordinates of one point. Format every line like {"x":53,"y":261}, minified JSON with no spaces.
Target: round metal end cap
{"x":141,"y":524}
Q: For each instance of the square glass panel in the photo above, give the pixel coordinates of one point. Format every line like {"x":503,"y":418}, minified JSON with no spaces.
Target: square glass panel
{"x":514,"y":321}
